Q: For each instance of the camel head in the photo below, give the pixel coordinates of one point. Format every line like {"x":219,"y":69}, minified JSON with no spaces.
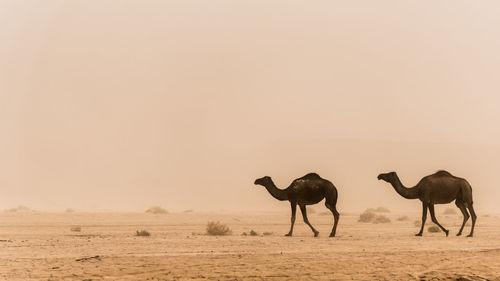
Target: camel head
{"x":263,"y":181}
{"x":388,"y":177}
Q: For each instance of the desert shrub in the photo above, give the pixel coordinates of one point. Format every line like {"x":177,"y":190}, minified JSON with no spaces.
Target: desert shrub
{"x":19,"y":209}
{"x":156,"y":210}
{"x":216,"y":228}
{"x":382,"y":210}
{"x":449,"y":211}
{"x":381,"y":219}
{"x":76,"y":229}
{"x":142,"y":233}
{"x":244,"y":234}
{"x":253,"y":233}
{"x":433,"y":228}
{"x":69,"y":210}
{"x":366,"y":216}
{"x":267,"y":233}
{"x":403,"y":218}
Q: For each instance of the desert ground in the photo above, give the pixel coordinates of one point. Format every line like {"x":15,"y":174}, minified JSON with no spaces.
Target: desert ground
{"x":42,"y":246}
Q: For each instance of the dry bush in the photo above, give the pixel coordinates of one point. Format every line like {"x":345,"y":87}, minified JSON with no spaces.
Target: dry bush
{"x":244,"y":234}
{"x":216,"y":228}
{"x":433,"y":228}
{"x":142,"y":233}
{"x":419,"y":222}
{"x":156,"y":210}
{"x":381,"y":219}
{"x":367,"y":216}
{"x":253,"y":233}
{"x":19,"y":209}
{"x":267,"y":233}
{"x":76,"y":229}
{"x":449,"y":211}
{"x":382,"y":210}
{"x":403,"y":218}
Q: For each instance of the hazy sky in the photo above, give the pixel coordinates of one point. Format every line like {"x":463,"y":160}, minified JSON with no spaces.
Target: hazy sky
{"x":120,"y":105}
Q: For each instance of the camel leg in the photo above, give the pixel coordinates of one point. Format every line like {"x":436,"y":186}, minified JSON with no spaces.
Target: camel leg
{"x":294,"y":209}
{"x":434,"y":220}
{"x":306,"y":220}
{"x":424,"y":217}
{"x":473,"y":217}
{"x":335,"y":216}
{"x":462,"y":208}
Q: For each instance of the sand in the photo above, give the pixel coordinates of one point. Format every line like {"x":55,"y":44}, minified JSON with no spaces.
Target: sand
{"x":41,"y":246}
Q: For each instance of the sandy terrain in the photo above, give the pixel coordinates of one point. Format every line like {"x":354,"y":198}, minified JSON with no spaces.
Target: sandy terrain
{"x":40,"y":246}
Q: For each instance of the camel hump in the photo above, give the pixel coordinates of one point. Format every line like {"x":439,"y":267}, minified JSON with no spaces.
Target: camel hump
{"x":443,"y":173}
{"x":311,"y":176}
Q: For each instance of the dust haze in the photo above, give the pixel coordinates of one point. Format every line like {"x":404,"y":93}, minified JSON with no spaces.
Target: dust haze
{"x":119,"y":106}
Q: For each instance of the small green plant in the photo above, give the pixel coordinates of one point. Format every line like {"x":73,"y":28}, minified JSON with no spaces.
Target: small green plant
{"x":142,"y":233}
{"x":253,"y":233}
{"x":216,"y":228}
{"x":433,"y":228}
{"x":76,"y":229}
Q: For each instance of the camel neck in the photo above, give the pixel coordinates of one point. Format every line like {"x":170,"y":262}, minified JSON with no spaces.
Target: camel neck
{"x":277,"y":193}
{"x":408,"y":193}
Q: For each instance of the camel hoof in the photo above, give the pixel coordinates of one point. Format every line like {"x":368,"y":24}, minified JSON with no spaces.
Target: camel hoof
{"x":332,"y":235}
{"x":458,"y":234}
{"x":447,"y":232}
{"x":470,"y":235}
{"x":418,"y":234}
{"x":316,"y":234}
{"x":288,"y":234}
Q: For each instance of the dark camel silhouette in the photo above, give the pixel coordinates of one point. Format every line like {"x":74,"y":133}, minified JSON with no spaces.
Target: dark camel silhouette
{"x":439,"y":188}
{"x":307,"y":190}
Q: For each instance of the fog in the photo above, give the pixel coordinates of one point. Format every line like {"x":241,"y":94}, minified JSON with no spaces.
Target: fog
{"x":108,"y":105}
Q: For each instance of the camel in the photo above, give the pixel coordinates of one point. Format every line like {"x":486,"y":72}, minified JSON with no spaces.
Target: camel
{"x":439,"y":188}
{"x":307,"y":190}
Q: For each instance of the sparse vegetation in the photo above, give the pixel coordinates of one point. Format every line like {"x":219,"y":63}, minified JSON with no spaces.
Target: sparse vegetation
{"x":433,"y":228}
{"x":156,"y":210}
{"x":325,"y":213}
{"x":216,"y":228}
{"x":76,"y":229}
{"x":381,"y":219}
{"x":69,"y":210}
{"x":382,"y":210}
{"x":402,"y":218}
{"x":19,"y":209}
{"x":253,"y":233}
{"x":188,"y":211}
{"x":267,"y":233}
{"x":367,"y":216}
{"x":142,"y":233}
{"x":449,"y":211}
{"x":370,"y":216}
{"x":244,"y":234}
